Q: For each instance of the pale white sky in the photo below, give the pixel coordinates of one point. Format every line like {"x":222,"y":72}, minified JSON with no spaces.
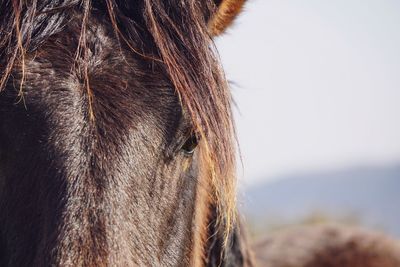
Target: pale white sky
{"x":317,"y":83}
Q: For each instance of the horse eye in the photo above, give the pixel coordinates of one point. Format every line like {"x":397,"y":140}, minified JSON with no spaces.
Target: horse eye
{"x":190,"y":144}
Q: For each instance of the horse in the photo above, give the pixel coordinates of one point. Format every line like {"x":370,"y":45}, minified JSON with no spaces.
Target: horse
{"x":117,"y":143}
{"x":116,"y":134}
{"x":327,"y":245}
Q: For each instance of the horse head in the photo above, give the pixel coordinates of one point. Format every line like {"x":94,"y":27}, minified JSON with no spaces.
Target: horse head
{"x":116,"y":134}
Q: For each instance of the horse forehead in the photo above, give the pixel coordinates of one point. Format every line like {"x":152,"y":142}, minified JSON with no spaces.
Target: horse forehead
{"x":118,"y":78}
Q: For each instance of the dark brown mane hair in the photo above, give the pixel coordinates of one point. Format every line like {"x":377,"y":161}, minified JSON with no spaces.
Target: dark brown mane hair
{"x":182,"y":43}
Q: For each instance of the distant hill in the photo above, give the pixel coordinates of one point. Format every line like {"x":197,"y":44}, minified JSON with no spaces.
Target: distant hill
{"x":372,"y":194}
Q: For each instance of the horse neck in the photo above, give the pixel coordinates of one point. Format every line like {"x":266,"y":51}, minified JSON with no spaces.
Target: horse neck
{"x":237,"y":253}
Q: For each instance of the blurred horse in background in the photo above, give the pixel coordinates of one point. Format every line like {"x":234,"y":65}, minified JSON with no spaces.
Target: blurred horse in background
{"x":327,"y":245}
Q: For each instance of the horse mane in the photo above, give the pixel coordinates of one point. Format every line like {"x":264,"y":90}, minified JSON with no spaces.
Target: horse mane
{"x":180,"y":40}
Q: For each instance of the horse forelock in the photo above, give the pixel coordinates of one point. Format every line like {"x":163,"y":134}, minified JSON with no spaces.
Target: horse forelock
{"x":180,"y":40}
{"x":186,"y":48}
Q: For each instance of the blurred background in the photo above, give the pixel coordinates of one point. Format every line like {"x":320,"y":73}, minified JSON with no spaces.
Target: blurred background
{"x":317,"y":87}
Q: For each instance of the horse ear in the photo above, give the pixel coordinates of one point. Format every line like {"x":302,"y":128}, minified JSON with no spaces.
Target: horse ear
{"x":227,"y":11}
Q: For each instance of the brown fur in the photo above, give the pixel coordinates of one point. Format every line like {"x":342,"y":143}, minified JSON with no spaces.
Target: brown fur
{"x":225,"y":15}
{"x":328,"y":246}
{"x":98,"y":98}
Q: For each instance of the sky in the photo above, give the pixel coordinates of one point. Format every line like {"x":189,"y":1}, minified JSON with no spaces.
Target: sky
{"x":317,"y":85}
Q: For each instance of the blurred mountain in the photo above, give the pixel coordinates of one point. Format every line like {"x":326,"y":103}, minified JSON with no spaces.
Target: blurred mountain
{"x":371,"y":194}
